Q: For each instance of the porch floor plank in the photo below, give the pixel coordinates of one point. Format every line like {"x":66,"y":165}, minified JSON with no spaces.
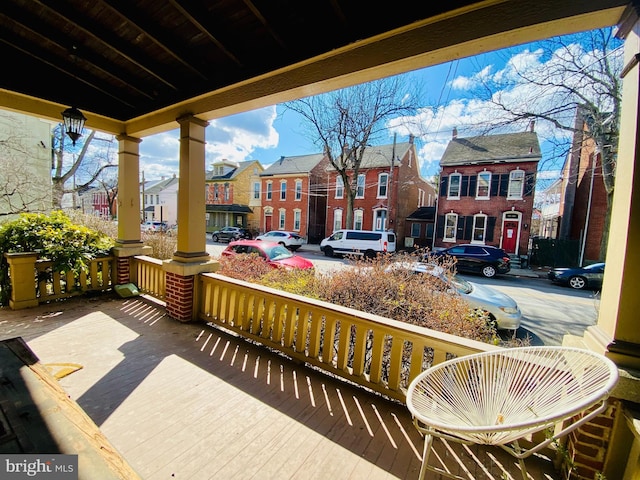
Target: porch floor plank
{"x":188,"y":401}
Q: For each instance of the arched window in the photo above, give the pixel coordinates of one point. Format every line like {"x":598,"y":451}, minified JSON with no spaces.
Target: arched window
{"x":339,"y":187}
{"x":337,"y":219}
{"x":358,"y":219}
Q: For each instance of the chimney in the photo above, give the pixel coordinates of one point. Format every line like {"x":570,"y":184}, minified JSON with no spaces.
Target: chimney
{"x":411,"y":138}
{"x":532,"y":124}
{"x":455,"y":132}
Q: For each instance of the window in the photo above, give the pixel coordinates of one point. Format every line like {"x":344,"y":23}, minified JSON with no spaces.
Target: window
{"x":484,"y":185}
{"x":269,"y":190}
{"x":383,"y":180}
{"x":297,"y":215}
{"x":226,"y":192}
{"x":479,"y":228}
{"x":454,"y":185}
{"x":516,"y":184}
{"x":421,"y":196}
{"x":215,"y":192}
{"x":450,"y":224}
{"x":298,"y":189}
{"x":256,"y":190}
{"x":415,"y":230}
{"x":360,"y":186}
{"x":281,"y":219}
{"x":339,"y":187}
{"x":358,"y":217}
{"x":283,"y":190}
{"x":337,"y":219}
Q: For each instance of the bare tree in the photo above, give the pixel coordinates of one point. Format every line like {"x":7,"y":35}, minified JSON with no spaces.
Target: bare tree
{"x":76,"y":171}
{"x":578,"y":78}
{"x":23,"y":168}
{"x":345,"y":123}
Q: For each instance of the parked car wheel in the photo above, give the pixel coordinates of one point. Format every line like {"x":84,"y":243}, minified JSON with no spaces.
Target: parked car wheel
{"x":489,"y":271}
{"x":328,"y":252}
{"x":577,"y":282}
{"x":214,"y":237}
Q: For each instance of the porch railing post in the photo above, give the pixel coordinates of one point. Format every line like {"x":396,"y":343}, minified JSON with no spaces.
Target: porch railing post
{"x":22,"y":270}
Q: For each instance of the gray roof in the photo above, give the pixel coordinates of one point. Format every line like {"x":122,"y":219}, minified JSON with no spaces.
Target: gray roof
{"x":291,"y":165}
{"x":160,"y":185}
{"x":507,"y":147}
{"x":380,"y":156}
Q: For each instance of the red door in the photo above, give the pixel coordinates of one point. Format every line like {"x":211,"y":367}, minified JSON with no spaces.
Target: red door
{"x":267,"y":223}
{"x":510,"y":236}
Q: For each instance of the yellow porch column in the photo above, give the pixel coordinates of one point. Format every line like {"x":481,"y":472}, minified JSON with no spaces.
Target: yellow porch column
{"x":617,"y":332}
{"x":191,"y":192}
{"x":191,"y":258}
{"x":128,"y":243}
{"x":128,"y":191}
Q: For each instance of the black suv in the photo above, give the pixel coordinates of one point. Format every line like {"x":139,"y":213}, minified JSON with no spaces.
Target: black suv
{"x":229,"y":234}
{"x":482,"y":259}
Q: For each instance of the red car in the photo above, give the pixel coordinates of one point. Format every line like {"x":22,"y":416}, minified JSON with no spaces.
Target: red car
{"x":273,"y":253}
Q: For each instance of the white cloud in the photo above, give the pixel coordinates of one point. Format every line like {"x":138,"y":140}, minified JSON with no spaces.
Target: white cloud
{"x":235,"y":138}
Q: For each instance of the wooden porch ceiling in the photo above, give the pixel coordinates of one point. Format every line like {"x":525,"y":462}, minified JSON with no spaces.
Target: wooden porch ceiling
{"x":134,"y":67}
{"x":185,"y":400}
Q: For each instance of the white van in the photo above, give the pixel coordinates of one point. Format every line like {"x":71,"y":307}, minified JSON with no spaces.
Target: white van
{"x":358,"y":242}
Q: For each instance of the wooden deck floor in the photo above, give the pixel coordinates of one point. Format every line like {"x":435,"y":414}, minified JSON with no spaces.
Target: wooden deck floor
{"x":188,"y":401}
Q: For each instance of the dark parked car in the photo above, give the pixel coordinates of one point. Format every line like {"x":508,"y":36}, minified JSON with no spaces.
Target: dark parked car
{"x":579,"y":277}
{"x":229,"y":234}
{"x":483,"y":259}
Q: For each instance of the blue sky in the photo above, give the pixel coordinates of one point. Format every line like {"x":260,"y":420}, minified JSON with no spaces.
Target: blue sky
{"x":448,"y":101}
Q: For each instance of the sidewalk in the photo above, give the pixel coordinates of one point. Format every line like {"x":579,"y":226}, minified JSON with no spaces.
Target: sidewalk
{"x":516,"y":272}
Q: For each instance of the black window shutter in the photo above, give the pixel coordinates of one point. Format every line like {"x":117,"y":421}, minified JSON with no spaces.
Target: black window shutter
{"x":530,"y":184}
{"x":468,"y":228}
{"x":444,"y":182}
{"x":495,"y":185}
{"x":440,"y":227}
{"x":491,"y":225}
{"x":504,"y":184}
{"x":460,"y":228}
{"x":464,"y":186}
{"x":473,"y":181}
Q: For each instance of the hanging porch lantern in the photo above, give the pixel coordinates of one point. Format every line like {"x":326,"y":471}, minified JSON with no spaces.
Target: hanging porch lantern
{"x":73,"y":123}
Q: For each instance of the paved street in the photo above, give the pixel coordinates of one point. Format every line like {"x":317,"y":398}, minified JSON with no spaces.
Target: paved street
{"x":549,"y":311}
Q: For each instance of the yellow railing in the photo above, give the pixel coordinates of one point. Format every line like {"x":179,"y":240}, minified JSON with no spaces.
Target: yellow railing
{"x":373,"y":351}
{"x":147,"y":274}
{"x":54,"y":285}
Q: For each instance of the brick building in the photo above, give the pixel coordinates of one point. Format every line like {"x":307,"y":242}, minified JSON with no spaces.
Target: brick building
{"x":389,"y":189}
{"x":293,"y":196}
{"x":486,"y":190}
{"x":231,"y":199}
{"x":584,"y":200}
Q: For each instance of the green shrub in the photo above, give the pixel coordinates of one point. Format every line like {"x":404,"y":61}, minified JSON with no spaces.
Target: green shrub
{"x":54,"y":237}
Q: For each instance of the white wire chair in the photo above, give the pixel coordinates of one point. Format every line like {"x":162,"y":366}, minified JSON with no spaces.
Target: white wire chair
{"x":499,"y":397}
